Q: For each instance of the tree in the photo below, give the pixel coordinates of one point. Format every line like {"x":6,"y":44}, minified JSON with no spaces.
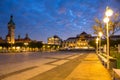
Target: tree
{"x":21,"y":44}
{"x":92,"y":43}
{"x":39,"y":44}
{"x":114,"y":25}
{"x":114,"y":43}
{"x":35,"y":44}
{"x":5,"y":45}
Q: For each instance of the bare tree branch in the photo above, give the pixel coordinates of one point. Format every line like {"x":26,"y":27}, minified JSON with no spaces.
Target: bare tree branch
{"x":114,"y":25}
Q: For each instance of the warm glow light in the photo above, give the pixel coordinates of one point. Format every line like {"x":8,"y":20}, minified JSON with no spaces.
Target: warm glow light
{"x":48,"y":46}
{"x":25,"y":44}
{"x":108,"y":12}
{"x":44,"y":46}
{"x":0,"y":47}
{"x":100,"y":34}
{"x":106,"y":19}
{"x":52,"y":38}
{"x":97,"y":40}
{"x":18,"y":48}
{"x":13,"y":47}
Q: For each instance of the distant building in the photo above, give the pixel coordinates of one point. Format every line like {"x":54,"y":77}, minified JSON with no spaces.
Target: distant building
{"x":10,"y":38}
{"x":23,"y":40}
{"x":115,"y":37}
{"x":1,"y":40}
{"x":80,"y":41}
{"x":55,"y":40}
{"x":69,"y":43}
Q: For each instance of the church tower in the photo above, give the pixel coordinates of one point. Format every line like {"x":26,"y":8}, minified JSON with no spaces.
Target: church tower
{"x":10,"y":38}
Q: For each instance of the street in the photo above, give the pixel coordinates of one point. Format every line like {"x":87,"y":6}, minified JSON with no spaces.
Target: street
{"x":13,"y":64}
{"x":40,"y":66}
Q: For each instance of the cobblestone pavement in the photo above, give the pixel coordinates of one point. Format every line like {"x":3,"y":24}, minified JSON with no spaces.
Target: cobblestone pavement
{"x":90,"y":69}
{"x":60,"y":66}
{"x":84,"y":67}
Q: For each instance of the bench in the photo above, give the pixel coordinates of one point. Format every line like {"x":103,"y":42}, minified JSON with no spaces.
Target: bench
{"x":103,"y":59}
{"x":116,"y":74}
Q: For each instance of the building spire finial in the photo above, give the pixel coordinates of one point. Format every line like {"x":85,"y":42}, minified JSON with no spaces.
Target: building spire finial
{"x":11,"y":17}
{"x":11,"y":20}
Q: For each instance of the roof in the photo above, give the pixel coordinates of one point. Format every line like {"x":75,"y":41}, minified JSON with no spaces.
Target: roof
{"x":55,"y":36}
{"x":1,"y":38}
{"x":83,"y":33}
{"x":71,"y":38}
{"x":11,"y":20}
{"x":115,"y":36}
{"x":8,"y":35}
{"x":27,"y":38}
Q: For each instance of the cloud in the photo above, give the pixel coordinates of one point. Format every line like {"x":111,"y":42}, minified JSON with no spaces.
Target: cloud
{"x":45,"y":17}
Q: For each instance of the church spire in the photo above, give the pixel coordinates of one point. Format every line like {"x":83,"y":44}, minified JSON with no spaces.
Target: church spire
{"x":11,"y":20}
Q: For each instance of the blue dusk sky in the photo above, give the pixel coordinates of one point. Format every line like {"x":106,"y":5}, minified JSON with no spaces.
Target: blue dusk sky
{"x":44,"y":18}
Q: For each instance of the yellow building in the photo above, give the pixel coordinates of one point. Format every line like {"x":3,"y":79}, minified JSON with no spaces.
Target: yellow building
{"x":69,"y":43}
{"x":55,"y":40}
{"x":10,"y":38}
{"x":78,"y":42}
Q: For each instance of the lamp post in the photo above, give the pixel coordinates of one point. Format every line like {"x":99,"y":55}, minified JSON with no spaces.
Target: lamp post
{"x":97,"y":45}
{"x":108,"y":13}
{"x":100,"y":35}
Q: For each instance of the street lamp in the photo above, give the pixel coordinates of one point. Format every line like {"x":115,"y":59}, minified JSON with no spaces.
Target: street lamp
{"x":97,"y":39}
{"x":108,"y":13}
{"x":100,"y":36}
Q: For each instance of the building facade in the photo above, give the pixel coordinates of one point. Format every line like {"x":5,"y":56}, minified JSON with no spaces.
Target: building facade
{"x":26,"y":39}
{"x":78,"y":42}
{"x":115,"y":37}
{"x":55,"y":40}
{"x":10,"y":38}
